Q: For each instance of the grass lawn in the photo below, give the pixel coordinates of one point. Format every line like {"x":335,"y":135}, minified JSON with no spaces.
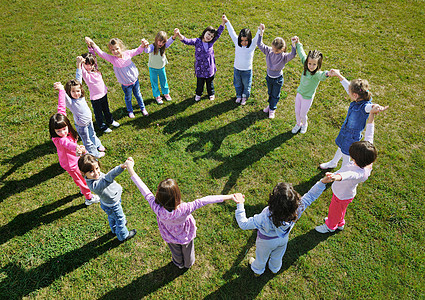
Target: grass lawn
{"x":54,"y":247}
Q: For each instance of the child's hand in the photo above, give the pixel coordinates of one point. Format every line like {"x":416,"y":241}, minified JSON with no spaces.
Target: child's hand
{"x":58,"y":86}
{"x":80,"y":60}
{"x":80,"y":150}
{"x":294,"y":40}
{"x":335,"y":73}
{"x":129,"y":163}
{"x":376,"y":109}
{"x":239,"y":198}
{"x":262,"y":27}
{"x":224,"y":19}
{"x":89,"y":42}
{"x":144,"y":43}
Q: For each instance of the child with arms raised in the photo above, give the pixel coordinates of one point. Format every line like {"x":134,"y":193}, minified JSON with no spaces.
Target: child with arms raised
{"x":125,"y":70}
{"x":344,"y":188}
{"x":175,"y":221}
{"x":276,"y":59}
{"x":64,"y":136}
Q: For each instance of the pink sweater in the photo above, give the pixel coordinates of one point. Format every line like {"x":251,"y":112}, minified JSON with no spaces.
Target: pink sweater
{"x":94,"y":81}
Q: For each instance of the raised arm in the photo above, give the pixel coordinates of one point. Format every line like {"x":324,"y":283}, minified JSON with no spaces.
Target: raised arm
{"x":129,"y":163}
{"x":61,"y":98}
{"x":232,"y":33}
{"x":79,"y":72}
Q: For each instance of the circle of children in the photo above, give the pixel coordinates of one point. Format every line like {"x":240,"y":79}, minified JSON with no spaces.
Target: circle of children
{"x":175,"y":221}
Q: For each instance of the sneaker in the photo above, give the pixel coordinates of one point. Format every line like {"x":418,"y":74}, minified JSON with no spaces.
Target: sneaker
{"x":101,"y":154}
{"x":339,"y":227}
{"x":107,"y":130}
{"x":238,"y":100}
{"x":304,"y":128}
{"x":145,"y":112}
{"x":212,"y":97}
{"x":324,"y":229}
{"x":101,"y":149}
{"x":250,"y":262}
{"x":197,"y":98}
{"x":94,"y":199}
{"x":159,"y":100}
{"x":130,"y":235}
{"x":243,"y":102}
{"x":271,"y":114}
{"x":115,"y":124}
{"x":327,"y":165}
{"x":131,"y":115}
{"x":296,"y":128}
{"x":266,"y":110}
{"x":167,"y":97}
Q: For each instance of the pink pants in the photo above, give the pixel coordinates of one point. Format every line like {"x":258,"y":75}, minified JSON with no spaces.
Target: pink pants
{"x":302,"y":106}
{"x":336,"y":213}
{"x":80,"y":182}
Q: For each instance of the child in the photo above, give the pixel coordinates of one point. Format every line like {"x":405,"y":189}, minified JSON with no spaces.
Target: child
{"x":125,"y":70}
{"x":64,"y":136}
{"x":205,"y":67}
{"x":175,"y":221}
{"x":310,"y":80}
{"x":363,"y":154}
{"x":276,"y":59}
{"x":156,"y":64}
{"x":109,"y":191}
{"x":77,"y":104}
{"x":244,"y":53}
{"x":87,"y":69}
{"x":275,"y":223}
{"x":354,"y":122}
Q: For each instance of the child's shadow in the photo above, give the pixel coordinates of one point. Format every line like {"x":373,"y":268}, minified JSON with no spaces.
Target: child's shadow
{"x":24,"y":222}
{"x":20,"y":283}
{"x":146,"y":284}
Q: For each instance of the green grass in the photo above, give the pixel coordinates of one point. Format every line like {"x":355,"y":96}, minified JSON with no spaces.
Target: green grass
{"x":53,"y":247}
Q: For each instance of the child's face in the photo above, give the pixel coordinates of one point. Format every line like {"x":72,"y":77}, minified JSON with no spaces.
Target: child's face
{"x":89,"y":68}
{"x":115,"y":50}
{"x":244,"y":41}
{"x":277,"y":51}
{"x":76,"y":91}
{"x":208,"y":36}
{"x":160,"y":43}
{"x":62,"y":132}
{"x":95,"y":173}
{"x":312,"y":64}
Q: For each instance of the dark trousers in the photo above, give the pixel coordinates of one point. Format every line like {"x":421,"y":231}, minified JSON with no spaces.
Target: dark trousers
{"x":101,"y":109}
{"x":183,"y":255}
{"x":200,"y":85}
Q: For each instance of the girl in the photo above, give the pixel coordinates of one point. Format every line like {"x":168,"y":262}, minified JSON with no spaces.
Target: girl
{"x":276,"y":59}
{"x":205,"y":67}
{"x":175,"y":221}
{"x":156,"y":64}
{"x":244,"y":53}
{"x":87,"y":69}
{"x":275,"y":223}
{"x":77,"y":104}
{"x":125,"y":70}
{"x":354,"y":122}
{"x":109,"y":191}
{"x":310,"y":80}
{"x":350,"y":175}
{"x":64,"y":136}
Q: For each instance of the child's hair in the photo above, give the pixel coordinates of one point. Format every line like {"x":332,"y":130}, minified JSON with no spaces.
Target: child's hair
{"x":168,"y":194}
{"x":58,"y":121}
{"x":245,"y":33}
{"x":363,"y":153}
{"x":210,"y":29}
{"x":116,"y":41}
{"x":361,"y":88}
{"x":160,"y":36}
{"x":283,"y":203}
{"x":89,"y":59}
{"x":71,"y":83}
{"x":279,"y":44}
{"x":87,"y":162}
{"x":313,"y":55}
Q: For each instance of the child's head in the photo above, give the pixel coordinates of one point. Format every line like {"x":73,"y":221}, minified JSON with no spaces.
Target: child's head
{"x":278,"y":45}
{"x":283,"y":203}
{"x":313,"y":63}
{"x":245,"y":38}
{"x":60,"y":126}
{"x":89,"y":62}
{"x":208,"y":34}
{"x":359,"y":90}
{"x":160,"y":41}
{"x":74,"y":89}
{"x":89,"y":166}
{"x":363,"y":153}
{"x":168,"y":194}
{"x":116,"y":46}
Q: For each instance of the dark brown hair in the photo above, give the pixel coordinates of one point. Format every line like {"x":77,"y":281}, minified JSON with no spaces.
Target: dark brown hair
{"x":313,"y":55}
{"x":168,"y":194}
{"x":58,"y":121}
{"x":283,"y":203}
{"x":361,"y":88}
{"x":363,"y":153}
{"x":71,"y":83}
{"x":245,"y":33}
{"x":87,"y":162}
{"x":210,"y":29}
{"x":160,"y":36}
{"x":90,"y":59}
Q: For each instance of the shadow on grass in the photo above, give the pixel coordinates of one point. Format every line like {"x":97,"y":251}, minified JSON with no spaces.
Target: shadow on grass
{"x":146,"y":284}
{"x":13,"y":187}
{"x":24,"y":222}
{"x":246,"y":285}
{"x":19,"y":282}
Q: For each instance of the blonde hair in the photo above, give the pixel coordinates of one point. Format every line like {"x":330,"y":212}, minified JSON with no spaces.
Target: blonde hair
{"x":116,"y":41}
{"x":279,"y":44}
{"x":160,"y":36}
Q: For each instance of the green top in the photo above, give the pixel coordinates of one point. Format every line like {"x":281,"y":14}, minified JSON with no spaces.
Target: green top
{"x":309,"y":83}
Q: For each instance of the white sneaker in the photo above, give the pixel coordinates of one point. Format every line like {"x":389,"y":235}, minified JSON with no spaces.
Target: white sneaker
{"x":327,"y":165}
{"x":131,"y":115}
{"x":243,"y":102}
{"x":238,"y":100}
{"x":197,"y":98}
{"x":266,"y":110}
{"x":271,"y":114}
{"x":304,"y":128}
{"x":101,"y":154}
{"x":115,"y":124}
{"x":324,"y":229}
{"x":212,"y":97}
{"x":107,"y":130}
{"x":145,"y":112}
{"x":296,"y":128}
{"x":94,"y":199}
{"x":339,"y":227}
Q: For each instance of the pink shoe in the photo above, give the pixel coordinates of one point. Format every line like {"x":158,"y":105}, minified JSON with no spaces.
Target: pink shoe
{"x":101,"y":149}
{"x":271,"y":114}
{"x":238,"y":100}
{"x":131,"y":115}
{"x":159,"y":100}
{"x":167,"y":97}
{"x":197,"y":98}
{"x":266,"y":110}
{"x":145,"y":112}
{"x":243,"y":102}
{"x":101,"y":154}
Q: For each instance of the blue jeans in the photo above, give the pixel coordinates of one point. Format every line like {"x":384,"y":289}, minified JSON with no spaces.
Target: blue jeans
{"x":135,"y":89}
{"x":101,"y":109}
{"x":274,"y":85}
{"x":116,"y":220}
{"x":154,"y":74}
{"x":242,"y":81}
{"x":89,"y":138}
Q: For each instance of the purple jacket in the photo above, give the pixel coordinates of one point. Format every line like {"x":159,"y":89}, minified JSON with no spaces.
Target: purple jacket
{"x":204,"y":59}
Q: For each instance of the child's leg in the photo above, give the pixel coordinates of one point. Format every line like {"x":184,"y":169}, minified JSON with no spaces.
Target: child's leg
{"x":210,"y":85}
{"x":93,"y":137}
{"x":246,"y":83}
{"x":345,"y":159}
{"x":163,"y":80}
{"x":334,"y":161}
{"x":128,"y":89}
{"x":177,"y":254}
{"x":298,"y":99}
{"x":275,"y":262}
{"x":199,"y":86}
{"x":305,"y":107}
{"x":98,"y":115}
{"x":105,"y":109}
{"x":153,"y":74}
{"x":262,"y":253}
{"x":188,"y":251}
{"x":237,"y":82}
{"x":83,"y":132}
{"x":116,"y":220}
{"x":138,"y":95}
{"x":336,"y":213}
{"x":274,"y":91}
{"x":81,"y":183}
